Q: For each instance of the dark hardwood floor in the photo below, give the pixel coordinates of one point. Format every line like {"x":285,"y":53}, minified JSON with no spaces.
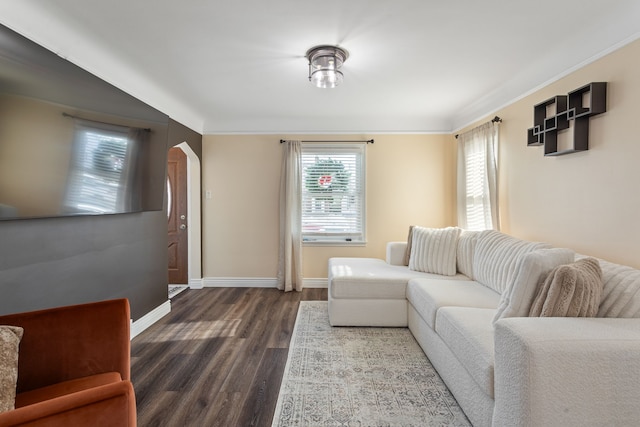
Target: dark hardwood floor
{"x":217,"y":359}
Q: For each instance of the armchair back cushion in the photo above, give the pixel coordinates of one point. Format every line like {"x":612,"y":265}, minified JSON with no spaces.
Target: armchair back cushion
{"x":44,"y":351}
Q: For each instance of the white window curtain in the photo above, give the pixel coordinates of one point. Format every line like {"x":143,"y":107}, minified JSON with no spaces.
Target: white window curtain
{"x":478,"y":178}
{"x":290,"y":253}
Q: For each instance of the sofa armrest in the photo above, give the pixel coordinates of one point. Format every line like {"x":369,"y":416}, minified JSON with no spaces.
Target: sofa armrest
{"x":395,"y":253}
{"x":65,"y":343}
{"x":567,"y":371}
{"x":110,"y":405}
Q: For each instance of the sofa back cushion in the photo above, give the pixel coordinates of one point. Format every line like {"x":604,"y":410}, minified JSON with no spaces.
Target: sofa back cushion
{"x":496,"y":258}
{"x":466,"y":247}
{"x":621,"y":291}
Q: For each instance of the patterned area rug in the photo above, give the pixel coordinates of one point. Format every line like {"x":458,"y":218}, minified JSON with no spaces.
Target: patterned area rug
{"x":359,"y":377}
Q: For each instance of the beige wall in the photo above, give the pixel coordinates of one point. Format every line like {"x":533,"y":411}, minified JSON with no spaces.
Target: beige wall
{"x":410,"y":180}
{"x":588,"y":201}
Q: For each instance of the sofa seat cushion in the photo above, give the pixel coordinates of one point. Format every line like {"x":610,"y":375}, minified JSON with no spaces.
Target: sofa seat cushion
{"x":66,"y":387}
{"x":373,"y":278}
{"x":429,"y":295}
{"x":468,"y":332}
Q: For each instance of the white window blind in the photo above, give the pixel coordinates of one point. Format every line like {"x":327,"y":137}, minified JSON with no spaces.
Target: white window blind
{"x":477,"y":178}
{"x":333,"y":194}
{"x":477,"y":189}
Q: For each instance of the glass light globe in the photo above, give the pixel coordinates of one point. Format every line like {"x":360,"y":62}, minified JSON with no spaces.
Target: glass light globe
{"x":326,"y":78}
{"x":324,"y":65}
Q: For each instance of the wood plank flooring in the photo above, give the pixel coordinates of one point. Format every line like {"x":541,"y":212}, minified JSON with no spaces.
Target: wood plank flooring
{"x":217,"y":359}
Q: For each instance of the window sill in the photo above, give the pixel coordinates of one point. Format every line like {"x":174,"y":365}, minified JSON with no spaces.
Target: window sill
{"x":333,"y":243}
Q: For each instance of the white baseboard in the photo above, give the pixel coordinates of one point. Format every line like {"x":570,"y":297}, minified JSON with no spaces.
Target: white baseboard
{"x":195,"y":283}
{"x":315,"y":283}
{"x":254,"y":282}
{"x":150,"y":318}
{"x":239,"y":282}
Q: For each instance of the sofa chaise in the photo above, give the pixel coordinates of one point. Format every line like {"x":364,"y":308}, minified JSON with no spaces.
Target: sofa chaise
{"x":472,"y":320}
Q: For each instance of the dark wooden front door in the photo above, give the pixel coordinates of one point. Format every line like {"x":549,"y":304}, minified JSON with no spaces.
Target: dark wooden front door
{"x":177,"y":221}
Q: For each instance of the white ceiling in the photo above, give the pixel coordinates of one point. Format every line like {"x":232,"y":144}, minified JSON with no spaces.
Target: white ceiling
{"x":415,"y":65}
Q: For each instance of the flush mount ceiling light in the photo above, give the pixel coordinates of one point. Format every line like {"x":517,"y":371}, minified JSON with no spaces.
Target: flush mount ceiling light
{"x":324,"y":65}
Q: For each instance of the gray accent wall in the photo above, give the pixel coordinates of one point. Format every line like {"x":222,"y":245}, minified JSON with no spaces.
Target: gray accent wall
{"x":50,"y":262}
{"x":179,"y":133}
{"x":71,"y":260}
{"x":53,"y":262}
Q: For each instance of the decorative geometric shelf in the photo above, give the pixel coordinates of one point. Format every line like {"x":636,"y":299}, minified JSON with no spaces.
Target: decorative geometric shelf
{"x":555,"y":114}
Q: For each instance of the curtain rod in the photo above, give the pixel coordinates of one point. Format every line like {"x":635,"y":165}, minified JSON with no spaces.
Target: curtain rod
{"x":104,"y":123}
{"x":496,"y":119}
{"x":368,"y":141}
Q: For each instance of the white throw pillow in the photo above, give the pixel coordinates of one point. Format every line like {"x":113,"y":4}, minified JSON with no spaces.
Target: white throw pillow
{"x":433,"y":250}
{"x":496,"y":258}
{"x":532,"y":270}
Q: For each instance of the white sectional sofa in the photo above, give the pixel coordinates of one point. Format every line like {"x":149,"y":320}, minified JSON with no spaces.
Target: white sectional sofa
{"x":503,"y":367}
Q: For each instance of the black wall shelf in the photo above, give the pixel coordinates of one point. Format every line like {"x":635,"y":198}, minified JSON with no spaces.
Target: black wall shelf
{"x":561,"y":112}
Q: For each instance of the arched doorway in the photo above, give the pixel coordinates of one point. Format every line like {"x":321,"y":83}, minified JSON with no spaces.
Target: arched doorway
{"x":192,"y":220}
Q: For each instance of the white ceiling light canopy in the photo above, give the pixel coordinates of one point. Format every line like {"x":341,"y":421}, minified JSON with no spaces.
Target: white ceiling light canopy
{"x":325,"y":62}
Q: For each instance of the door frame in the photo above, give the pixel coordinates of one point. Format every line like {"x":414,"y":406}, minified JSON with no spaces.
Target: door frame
{"x":194,"y":221}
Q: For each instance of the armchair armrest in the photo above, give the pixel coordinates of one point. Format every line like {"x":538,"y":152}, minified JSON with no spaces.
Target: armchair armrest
{"x":65,"y":343}
{"x":567,"y":371}
{"x":110,"y":405}
{"x":395,"y":253}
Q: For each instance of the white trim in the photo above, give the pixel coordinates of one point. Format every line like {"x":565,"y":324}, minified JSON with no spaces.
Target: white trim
{"x":150,"y":318}
{"x":437,"y":131}
{"x":333,"y":243}
{"x":315,"y":283}
{"x":254,"y":282}
{"x":34,"y":22}
{"x":195,"y":283}
{"x":491,"y":103}
{"x":240,"y":282}
{"x":194,"y":221}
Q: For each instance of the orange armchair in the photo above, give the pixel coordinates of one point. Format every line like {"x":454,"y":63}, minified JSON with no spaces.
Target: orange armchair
{"x":74,"y":367}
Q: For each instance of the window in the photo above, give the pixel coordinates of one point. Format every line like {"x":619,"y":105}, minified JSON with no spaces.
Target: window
{"x":478,"y":214}
{"x":477,"y":178}
{"x":333,"y":202}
